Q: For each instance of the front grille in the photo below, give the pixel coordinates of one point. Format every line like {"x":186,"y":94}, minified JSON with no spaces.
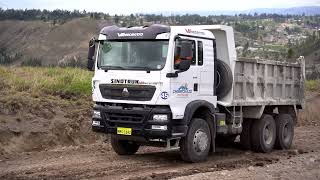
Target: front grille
{"x":116,"y":117}
{"x":132,"y":92}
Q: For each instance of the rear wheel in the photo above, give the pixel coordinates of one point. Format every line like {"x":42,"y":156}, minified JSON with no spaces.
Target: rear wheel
{"x":195,"y":146}
{"x":263,"y":134}
{"x":285,"y":131}
{"x":124,"y":147}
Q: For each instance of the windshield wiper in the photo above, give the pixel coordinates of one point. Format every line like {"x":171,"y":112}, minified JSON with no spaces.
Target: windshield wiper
{"x":141,"y":68}
{"x":106,"y":68}
{"x":112,"y":67}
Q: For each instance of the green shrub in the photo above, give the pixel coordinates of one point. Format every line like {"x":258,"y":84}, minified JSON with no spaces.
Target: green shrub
{"x":5,"y":58}
{"x":313,"y":85}
{"x":32,"y":62}
{"x":72,"y":62}
{"x":48,"y":80}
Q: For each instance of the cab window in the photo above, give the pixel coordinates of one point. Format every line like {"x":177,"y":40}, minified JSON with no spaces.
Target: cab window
{"x":177,"y":59}
{"x":200,"y":53}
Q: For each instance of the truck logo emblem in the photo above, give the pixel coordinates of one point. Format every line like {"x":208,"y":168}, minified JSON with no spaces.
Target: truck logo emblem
{"x":130,"y":34}
{"x":125,"y":92}
{"x":194,"y":32}
{"x":124,"y":81}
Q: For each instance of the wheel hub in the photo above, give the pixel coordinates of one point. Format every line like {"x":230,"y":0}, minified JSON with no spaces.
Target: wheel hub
{"x":268,"y":134}
{"x":286,"y":133}
{"x":200,"y":141}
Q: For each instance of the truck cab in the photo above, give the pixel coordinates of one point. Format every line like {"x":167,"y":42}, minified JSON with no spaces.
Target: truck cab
{"x":158,"y":85}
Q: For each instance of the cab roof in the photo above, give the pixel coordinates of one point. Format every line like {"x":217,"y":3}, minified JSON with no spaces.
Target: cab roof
{"x":141,"y":32}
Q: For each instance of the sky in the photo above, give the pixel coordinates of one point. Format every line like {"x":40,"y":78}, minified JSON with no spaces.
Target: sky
{"x":149,"y":6}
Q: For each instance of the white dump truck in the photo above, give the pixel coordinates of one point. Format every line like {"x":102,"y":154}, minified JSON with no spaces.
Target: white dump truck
{"x":183,"y":87}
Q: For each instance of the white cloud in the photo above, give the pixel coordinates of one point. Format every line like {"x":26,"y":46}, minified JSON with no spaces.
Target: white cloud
{"x":130,"y":6}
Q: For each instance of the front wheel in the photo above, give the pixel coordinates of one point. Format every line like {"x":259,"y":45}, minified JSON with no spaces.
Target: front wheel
{"x":124,"y":147}
{"x":195,"y":146}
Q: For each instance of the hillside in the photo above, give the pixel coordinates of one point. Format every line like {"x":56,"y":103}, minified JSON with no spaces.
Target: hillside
{"x":52,"y":42}
{"x":47,"y":42}
{"x":304,"y":10}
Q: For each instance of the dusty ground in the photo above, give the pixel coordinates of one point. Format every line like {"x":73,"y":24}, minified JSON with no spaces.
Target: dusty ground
{"x":98,"y":161}
{"x":52,"y":140}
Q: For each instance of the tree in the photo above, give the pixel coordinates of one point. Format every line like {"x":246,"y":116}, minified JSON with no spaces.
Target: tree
{"x":141,"y":21}
{"x":106,"y":17}
{"x":245,"y":49}
{"x":116,"y":19}
{"x":290,"y":53}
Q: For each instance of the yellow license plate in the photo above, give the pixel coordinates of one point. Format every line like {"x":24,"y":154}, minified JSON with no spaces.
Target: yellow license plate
{"x":124,"y":131}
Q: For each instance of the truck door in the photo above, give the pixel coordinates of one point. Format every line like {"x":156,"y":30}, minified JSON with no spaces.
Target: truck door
{"x":186,"y":85}
{"x":205,"y":62}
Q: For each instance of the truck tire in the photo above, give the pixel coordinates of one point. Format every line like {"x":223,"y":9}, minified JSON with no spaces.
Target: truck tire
{"x":285,"y":131}
{"x":245,"y":136}
{"x":124,"y":147}
{"x":224,"y":79}
{"x":263,"y":134}
{"x":195,"y":146}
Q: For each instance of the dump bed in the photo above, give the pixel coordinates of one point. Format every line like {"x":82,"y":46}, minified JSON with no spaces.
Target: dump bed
{"x":257,"y":81}
{"x":266,"y":82}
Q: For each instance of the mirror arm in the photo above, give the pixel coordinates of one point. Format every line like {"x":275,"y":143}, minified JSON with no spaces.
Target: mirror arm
{"x":175,"y":74}
{"x":172,"y":75}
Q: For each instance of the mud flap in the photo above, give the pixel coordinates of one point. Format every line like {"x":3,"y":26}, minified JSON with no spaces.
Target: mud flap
{"x":213,"y":130}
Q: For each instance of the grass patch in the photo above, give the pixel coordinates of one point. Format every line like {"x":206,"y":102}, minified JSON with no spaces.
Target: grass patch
{"x":276,"y":47}
{"x":313,"y":85}
{"x":47,"y":80}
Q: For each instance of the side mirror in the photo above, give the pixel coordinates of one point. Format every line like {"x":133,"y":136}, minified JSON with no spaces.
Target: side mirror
{"x":91,"y":51}
{"x":184,"y":65}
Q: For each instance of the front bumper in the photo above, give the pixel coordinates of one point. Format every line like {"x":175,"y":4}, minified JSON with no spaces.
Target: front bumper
{"x":139,"y":119}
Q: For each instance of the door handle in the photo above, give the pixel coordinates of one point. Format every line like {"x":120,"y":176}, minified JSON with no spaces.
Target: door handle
{"x":195,"y":87}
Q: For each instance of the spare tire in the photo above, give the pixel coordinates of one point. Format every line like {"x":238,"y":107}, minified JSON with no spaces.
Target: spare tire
{"x":224,"y":79}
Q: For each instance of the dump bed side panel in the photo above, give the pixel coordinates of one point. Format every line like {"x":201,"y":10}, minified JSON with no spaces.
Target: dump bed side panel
{"x":263,"y":82}
{"x":257,"y":82}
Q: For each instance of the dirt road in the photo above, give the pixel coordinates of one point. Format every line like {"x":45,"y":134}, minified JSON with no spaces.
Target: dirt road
{"x":98,"y":161}
{"x":49,"y":137}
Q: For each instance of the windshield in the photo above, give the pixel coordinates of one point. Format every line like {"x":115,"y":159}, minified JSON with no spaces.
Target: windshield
{"x":131,"y":55}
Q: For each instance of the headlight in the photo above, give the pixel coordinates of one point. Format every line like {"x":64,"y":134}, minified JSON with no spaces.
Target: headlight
{"x":157,"y":127}
{"x":96,"y":114}
{"x":160,"y":117}
{"x":95,"y":123}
